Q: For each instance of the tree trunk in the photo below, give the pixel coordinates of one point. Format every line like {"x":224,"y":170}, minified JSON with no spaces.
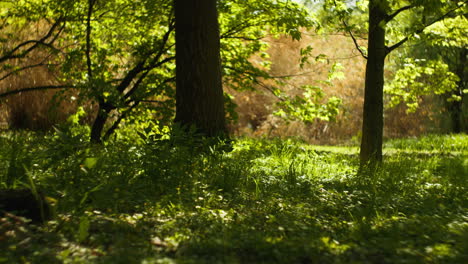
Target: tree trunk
{"x":455,"y":108}
{"x":98,"y":124}
{"x":372,"y":128}
{"x":199,"y":92}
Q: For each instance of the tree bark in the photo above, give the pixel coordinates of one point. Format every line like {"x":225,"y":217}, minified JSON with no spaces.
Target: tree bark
{"x":199,"y":92}
{"x":372,"y":128}
{"x":98,"y":126}
{"x":455,"y":108}
{"x":103,"y":112}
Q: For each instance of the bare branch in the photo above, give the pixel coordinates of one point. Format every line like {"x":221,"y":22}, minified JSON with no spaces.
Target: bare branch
{"x":38,"y":88}
{"x":271,"y":90}
{"x":25,"y":68}
{"x":36,"y":43}
{"x":358,"y":47}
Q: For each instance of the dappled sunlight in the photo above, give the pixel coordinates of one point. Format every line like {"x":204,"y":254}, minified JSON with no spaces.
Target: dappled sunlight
{"x":264,"y":202}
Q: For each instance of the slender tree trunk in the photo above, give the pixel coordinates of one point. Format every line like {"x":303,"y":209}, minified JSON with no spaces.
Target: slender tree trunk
{"x":98,"y":124}
{"x":372,"y":128}
{"x":456,"y":107}
{"x":199,"y":93}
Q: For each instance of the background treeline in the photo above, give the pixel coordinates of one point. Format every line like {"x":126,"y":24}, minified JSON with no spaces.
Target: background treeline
{"x":266,"y":64}
{"x":139,"y":166}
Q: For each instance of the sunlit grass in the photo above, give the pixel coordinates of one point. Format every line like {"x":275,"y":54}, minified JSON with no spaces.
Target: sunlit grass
{"x":267,"y":201}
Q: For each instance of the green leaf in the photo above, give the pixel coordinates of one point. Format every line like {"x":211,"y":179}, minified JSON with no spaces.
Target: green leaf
{"x":90,"y":162}
{"x":83,"y":229}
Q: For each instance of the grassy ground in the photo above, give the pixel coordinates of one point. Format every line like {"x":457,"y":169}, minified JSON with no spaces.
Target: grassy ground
{"x":267,"y":201}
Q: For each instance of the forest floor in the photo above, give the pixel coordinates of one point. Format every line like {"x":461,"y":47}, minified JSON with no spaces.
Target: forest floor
{"x":266,"y":201}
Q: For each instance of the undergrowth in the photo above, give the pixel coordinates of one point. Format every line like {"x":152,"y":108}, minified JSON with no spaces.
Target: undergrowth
{"x":266,"y":201}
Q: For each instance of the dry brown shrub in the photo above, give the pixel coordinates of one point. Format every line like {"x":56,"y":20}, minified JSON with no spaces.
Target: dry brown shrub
{"x":255,"y":109}
{"x":37,"y":110}
{"x":430,"y":117}
{"x":42,"y":109}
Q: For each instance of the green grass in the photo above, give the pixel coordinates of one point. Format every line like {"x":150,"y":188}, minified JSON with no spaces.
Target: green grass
{"x":267,"y":201}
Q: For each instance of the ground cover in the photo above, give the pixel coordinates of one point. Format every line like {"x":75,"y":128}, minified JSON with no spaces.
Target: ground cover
{"x":266,"y":201}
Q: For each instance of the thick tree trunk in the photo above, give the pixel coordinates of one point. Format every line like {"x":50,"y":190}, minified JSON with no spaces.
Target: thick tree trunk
{"x":199,"y":93}
{"x":372,"y":128}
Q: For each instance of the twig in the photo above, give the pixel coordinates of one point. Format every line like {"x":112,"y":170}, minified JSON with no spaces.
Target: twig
{"x":405,"y":39}
{"x":25,"y":68}
{"x":358,"y":47}
{"x":11,"y":54}
{"x":38,"y":88}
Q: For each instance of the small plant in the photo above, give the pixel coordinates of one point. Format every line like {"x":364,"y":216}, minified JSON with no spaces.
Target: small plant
{"x":266,"y":201}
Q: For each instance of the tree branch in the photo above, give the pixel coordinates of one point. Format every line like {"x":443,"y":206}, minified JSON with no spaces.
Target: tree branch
{"x":11,"y":54}
{"x":130,"y":76}
{"x":116,"y":124}
{"x":25,"y":68}
{"x":240,"y":27}
{"x":136,"y":103}
{"x":155,"y":65}
{"x":151,"y":101}
{"x":405,"y":39}
{"x":271,"y":90}
{"x":136,"y":85}
{"x":358,"y":47}
{"x":38,"y":88}
{"x":392,"y":16}
{"x":140,"y":66}
{"x":139,"y":81}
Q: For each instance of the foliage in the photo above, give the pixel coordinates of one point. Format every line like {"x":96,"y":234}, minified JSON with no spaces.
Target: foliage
{"x":310,"y":106}
{"x":244,"y":31}
{"x":418,"y":78}
{"x":386,"y":33}
{"x":120,"y":54}
{"x":267,"y":201}
{"x":438,"y":143}
{"x":431,"y":65}
{"x":122,"y":61}
{"x":449,"y":32}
